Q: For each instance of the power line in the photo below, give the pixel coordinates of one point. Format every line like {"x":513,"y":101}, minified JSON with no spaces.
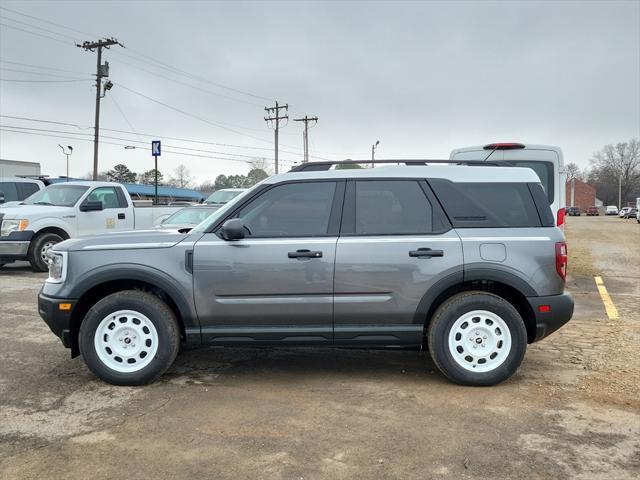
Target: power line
{"x":155,"y":74}
{"x":35,"y":33}
{"x":46,"y":21}
{"x":113,"y":99}
{"x":124,"y":145}
{"x":3,"y":69}
{"x":45,"y":68}
{"x":31,"y":129}
{"x":210,"y":122}
{"x":185,"y":73}
{"x":155,"y":135}
{"x":19,"y":80}
{"x":36,"y":26}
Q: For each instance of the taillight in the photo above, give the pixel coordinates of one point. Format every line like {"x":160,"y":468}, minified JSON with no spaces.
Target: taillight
{"x":503,"y":146}
{"x":561,"y":260}
{"x":561,"y":213}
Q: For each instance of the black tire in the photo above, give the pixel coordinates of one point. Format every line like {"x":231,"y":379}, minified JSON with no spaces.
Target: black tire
{"x":37,"y":247}
{"x":155,"y":311}
{"x":454,"y":309}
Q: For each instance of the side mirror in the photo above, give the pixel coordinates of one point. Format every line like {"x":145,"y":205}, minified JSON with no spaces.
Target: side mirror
{"x":233,"y":229}
{"x":91,"y":206}
{"x":1,"y":196}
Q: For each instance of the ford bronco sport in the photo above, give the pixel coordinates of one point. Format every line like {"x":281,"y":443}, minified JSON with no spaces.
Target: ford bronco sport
{"x":464,"y":260}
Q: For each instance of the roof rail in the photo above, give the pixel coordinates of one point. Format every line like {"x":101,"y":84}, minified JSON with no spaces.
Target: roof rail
{"x":326,"y":165}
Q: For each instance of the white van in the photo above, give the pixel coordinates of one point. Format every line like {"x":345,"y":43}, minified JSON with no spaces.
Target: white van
{"x":545,"y":160}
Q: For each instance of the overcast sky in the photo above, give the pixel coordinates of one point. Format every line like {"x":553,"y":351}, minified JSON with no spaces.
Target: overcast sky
{"x":421,"y":77}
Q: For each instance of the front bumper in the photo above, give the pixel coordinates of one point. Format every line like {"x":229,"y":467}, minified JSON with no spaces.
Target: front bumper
{"x":59,"y":321}
{"x":557,"y":310}
{"x":15,"y":245}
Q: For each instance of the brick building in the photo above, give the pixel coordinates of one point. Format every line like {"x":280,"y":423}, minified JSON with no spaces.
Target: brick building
{"x":580,"y":194}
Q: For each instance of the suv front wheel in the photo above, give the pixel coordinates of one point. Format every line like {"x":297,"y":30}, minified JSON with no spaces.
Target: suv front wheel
{"x":477,"y":338}
{"x":129,"y":338}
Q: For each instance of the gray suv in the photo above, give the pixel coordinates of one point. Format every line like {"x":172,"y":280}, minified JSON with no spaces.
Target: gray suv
{"x":462,"y":260}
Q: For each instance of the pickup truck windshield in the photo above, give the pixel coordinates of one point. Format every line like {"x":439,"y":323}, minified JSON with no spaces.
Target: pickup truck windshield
{"x":57,"y":195}
{"x":223,"y":196}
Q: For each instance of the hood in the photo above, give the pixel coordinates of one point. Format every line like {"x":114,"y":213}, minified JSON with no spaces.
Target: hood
{"x":20,"y":210}
{"x":123,"y":241}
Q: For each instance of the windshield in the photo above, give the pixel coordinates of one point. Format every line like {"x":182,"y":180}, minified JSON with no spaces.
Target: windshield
{"x":222,"y":211}
{"x":223,"y":196}
{"x":189,"y":216}
{"x":57,"y":195}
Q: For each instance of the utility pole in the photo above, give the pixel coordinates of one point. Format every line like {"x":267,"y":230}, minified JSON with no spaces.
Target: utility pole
{"x":101,"y":71}
{"x":305,"y":134}
{"x":276,"y":118}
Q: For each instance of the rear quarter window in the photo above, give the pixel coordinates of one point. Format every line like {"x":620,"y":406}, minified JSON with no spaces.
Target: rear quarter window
{"x":487,"y":205}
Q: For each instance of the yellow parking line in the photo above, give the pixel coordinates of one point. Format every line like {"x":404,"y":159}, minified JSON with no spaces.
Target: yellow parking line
{"x":612,"y":311}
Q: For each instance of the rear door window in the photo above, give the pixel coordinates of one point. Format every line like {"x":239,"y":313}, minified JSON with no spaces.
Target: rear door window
{"x":487,"y":205}
{"x":10,"y":191}
{"x":391,"y":207}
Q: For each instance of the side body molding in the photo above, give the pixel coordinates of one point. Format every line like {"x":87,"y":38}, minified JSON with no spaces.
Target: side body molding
{"x":147,"y":274}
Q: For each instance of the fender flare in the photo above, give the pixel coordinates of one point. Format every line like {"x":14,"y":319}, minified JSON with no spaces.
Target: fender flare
{"x":469,"y":275}
{"x":142,"y":273}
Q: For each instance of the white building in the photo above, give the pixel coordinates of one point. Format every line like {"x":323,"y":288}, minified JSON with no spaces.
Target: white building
{"x":14,"y":168}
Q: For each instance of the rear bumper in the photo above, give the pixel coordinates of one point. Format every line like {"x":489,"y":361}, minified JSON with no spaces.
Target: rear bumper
{"x":560,"y":311}
{"x":59,"y":321}
{"x":15,"y":246}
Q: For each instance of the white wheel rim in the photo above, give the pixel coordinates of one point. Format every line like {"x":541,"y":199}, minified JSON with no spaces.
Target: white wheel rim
{"x":479,"y":341}
{"x":126,"y":341}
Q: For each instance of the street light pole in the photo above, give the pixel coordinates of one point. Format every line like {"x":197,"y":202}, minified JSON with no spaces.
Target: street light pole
{"x":67,"y":154}
{"x":373,"y":152}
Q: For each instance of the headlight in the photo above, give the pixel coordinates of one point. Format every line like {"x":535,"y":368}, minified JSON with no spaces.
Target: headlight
{"x":9,"y":226}
{"x":57,"y":266}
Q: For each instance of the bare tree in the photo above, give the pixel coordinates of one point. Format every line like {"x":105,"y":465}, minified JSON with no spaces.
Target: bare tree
{"x":616,"y":171}
{"x":181,"y":177}
{"x":573,"y":171}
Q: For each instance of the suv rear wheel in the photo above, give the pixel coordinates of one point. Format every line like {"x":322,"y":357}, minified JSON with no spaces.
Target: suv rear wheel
{"x":477,"y":338}
{"x":129,"y":338}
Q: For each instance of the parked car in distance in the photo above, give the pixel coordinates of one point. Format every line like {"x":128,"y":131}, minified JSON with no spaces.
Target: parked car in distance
{"x":67,"y":210}
{"x":593,"y":212}
{"x":347,"y":257}
{"x":623,"y":211}
{"x":573,"y":211}
{"x":631,"y":213}
{"x":16,"y":189}
{"x":611,"y":210}
{"x":220,"y":197}
{"x":188,"y":217}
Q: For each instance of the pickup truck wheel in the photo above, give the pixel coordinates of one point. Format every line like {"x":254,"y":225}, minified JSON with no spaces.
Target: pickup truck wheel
{"x":129,"y":338}
{"x":38,"y":248}
{"x":477,"y":338}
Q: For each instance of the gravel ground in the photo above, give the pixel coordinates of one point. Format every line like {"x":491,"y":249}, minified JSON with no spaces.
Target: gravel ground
{"x":571,"y":411}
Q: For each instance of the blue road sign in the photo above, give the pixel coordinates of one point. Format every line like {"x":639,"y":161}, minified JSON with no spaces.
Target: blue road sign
{"x":155,"y":148}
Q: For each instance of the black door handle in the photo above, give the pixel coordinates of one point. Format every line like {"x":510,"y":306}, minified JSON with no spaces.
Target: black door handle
{"x":305,"y":254}
{"x":426,"y":253}
{"x":121,"y":216}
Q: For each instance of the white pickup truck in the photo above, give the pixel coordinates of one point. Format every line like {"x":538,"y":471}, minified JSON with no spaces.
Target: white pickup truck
{"x":66,"y":210}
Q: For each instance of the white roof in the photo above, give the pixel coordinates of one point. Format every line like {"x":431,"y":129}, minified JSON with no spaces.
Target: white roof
{"x":89,"y":183}
{"x":21,"y":180}
{"x":456,"y":173}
